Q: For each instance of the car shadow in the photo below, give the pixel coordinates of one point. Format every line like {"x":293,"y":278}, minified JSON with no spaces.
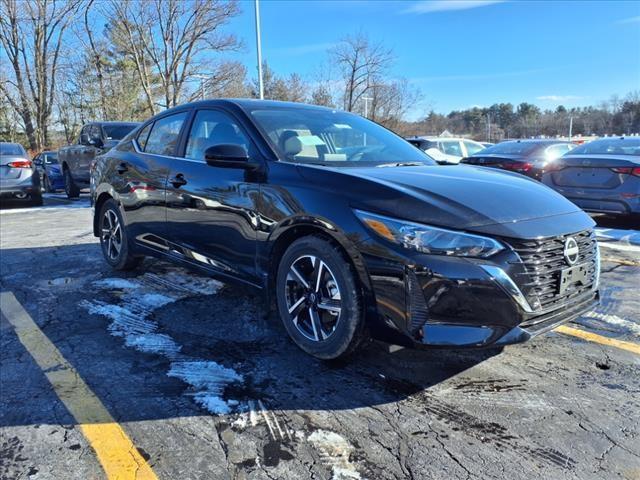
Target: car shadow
{"x":229,"y":328}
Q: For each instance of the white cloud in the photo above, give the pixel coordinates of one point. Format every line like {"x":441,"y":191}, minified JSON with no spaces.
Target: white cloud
{"x":448,"y":5}
{"x":558,"y":98}
{"x":629,"y":20}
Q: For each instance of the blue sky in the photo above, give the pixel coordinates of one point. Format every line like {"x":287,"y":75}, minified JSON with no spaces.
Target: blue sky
{"x":465,"y":53}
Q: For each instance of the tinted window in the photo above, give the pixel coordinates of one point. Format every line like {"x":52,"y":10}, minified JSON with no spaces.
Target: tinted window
{"x":117,"y":132}
{"x":512,"y":148}
{"x":331,"y":137}
{"x":211,"y":127}
{"x":163,"y":138}
{"x":610,"y":146}
{"x":11,"y":149}
{"x":50,"y":158}
{"x":143,"y":136}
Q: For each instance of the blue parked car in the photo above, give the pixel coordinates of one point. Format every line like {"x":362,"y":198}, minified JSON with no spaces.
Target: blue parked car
{"x":48,"y":167}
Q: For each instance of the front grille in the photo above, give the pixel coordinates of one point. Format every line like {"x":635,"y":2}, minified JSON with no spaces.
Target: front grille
{"x":544,"y":260}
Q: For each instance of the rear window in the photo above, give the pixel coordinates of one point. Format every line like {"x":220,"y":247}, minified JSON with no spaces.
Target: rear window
{"x":117,"y":132}
{"x":610,"y":146}
{"x":12,"y":149}
{"x":512,"y":148}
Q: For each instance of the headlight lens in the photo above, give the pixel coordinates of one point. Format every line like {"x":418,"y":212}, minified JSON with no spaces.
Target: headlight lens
{"x":432,"y":240}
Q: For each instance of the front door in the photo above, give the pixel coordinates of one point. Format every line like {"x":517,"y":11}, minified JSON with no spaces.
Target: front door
{"x":211,"y":211}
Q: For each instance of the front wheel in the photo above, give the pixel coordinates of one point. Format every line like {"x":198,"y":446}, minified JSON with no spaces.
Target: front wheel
{"x":319,"y":300}
{"x":113,"y":238}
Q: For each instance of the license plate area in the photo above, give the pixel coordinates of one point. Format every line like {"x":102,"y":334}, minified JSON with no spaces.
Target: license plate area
{"x":573,"y":275}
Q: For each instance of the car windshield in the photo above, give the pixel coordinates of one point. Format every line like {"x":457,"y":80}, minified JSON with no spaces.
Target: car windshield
{"x":511,"y":148}
{"x":335,"y":138}
{"x":609,"y":146}
{"x":117,"y":132}
{"x":11,"y":149}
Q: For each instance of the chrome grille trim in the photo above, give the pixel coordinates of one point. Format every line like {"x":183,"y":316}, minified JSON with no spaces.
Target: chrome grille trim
{"x":543,"y":259}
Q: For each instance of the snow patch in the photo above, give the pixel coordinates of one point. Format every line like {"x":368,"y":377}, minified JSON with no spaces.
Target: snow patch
{"x":615,"y":320}
{"x":130,"y":320}
{"x":335,"y":451}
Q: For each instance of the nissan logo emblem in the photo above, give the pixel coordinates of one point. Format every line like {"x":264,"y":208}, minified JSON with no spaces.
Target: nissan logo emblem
{"x":571,"y":250}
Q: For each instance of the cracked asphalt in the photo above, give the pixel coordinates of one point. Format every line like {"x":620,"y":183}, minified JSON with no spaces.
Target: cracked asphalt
{"x":556,"y":407}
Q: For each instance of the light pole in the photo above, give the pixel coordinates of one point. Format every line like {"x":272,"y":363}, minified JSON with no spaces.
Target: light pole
{"x":366,"y":106}
{"x":202,"y":78}
{"x":259,"y":50}
{"x":570,"y":127}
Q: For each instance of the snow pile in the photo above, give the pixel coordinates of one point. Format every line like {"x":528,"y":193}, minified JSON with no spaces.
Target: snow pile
{"x":130,"y":319}
{"x":335,"y":452}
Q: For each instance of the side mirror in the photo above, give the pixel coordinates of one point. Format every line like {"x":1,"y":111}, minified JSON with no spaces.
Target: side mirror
{"x":228,"y":155}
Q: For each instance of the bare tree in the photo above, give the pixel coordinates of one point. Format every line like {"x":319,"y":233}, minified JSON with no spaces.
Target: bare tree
{"x":228,"y":80}
{"x":360,"y":63}
{"x":31,"y":34}
{"x":166,"y":39}
{"x":390,"y":101}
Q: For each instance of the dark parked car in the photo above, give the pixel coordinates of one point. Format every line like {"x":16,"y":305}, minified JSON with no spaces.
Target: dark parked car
{"x":19,"y":179}
{"x":350,"y":229}
{"x":600,"y":176}
{"x":528,"y":157}
{"x":94,"y":139}
{"x":49,"y":170}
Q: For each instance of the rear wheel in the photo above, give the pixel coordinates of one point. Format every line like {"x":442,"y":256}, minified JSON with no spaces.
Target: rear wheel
{"x":47,"y":185}
{"x":70,"y":188}
{"x":113,"y":238}
{"x":318,"y":299}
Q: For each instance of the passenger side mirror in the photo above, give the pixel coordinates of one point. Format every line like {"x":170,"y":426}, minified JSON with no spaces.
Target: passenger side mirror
{"x":228,"y":155}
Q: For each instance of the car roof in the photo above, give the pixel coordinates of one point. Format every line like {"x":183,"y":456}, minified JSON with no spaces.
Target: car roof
{"x":10,"y":143}
{"x":541,"y":141}
{"x":253,"y":103}
{"x":115,"y":123}
{"x":435,"y":139}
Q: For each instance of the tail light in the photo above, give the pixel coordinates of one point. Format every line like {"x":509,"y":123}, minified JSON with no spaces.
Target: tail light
{"x":20,"y":164}
{"x":517,"y":166}
{"x":627,"y":170}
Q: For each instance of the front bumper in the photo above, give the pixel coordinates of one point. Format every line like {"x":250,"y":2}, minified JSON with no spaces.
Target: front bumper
{"x":435,"y":301}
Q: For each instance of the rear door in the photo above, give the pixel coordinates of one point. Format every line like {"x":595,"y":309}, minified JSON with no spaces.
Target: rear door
{"x":212,"y":211}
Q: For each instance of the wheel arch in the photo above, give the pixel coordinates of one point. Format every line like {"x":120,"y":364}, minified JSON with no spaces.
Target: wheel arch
{"x":292,"y":230}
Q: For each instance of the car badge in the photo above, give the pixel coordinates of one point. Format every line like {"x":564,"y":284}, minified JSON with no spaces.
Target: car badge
{"x":571,"y":250}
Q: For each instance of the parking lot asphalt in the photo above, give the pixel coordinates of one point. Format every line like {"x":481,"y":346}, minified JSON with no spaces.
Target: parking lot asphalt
{"x":162,"y":373}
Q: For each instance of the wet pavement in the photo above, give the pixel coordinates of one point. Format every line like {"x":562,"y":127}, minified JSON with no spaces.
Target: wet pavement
{"x":205,"y":384}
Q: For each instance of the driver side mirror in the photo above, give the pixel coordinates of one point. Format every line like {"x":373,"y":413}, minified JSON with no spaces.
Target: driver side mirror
{"x":228,"y":155}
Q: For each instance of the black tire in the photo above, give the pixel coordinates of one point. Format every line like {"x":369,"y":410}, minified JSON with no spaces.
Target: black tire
{"x":347,"y":333}
{"x":70,"y":187}
{"x":122,"y":258}
{"x":36,"y":200}
{"x":47,"y":185}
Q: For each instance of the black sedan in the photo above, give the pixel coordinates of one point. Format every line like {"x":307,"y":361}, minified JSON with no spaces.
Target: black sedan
{"x":528,"y":157}
{"x":350,"y":230}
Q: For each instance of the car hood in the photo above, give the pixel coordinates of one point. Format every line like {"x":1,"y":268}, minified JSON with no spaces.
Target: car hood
{"x":460,"y":197}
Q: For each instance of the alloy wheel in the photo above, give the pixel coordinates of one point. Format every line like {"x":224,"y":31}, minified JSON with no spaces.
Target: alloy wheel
{"x":111,"y":234}
{"x":313,"y":298}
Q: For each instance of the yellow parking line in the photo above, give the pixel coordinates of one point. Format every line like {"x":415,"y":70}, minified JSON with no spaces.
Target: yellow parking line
{"x":116,"y":452}
{"x":593,"y":337}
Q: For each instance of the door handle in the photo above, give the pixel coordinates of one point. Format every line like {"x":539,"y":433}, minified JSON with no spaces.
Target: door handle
{"x":122,"y":168}
{"x":178,"y":181}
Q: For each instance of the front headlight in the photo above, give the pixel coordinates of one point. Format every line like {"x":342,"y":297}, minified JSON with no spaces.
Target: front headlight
{"x":426,"y":239}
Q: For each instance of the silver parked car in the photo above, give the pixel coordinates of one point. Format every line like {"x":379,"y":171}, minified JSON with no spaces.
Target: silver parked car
{"x":600,"y":176}
{"x":19,"y":180}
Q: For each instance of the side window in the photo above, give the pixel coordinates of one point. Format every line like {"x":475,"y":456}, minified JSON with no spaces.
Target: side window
{"x":211,"y":127}
{"x":452,"y":147}
{"x":555,"y":151}
{"x":143,"y":136}
{"x":164,"y":135}
{"x":95,"y":133}
{"x":84,"y":131}
{"x":472,"y":147}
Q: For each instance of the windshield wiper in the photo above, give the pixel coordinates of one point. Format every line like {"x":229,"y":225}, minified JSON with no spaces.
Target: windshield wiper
{"x":401,"y":164}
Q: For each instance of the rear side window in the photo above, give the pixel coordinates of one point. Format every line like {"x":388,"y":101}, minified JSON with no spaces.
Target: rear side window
{"x":555,"y":151}
{"x":143,"y":136}
{"x":164,"y":135}
{"x":451,"y":147}
{"x":473,"y":147}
